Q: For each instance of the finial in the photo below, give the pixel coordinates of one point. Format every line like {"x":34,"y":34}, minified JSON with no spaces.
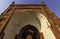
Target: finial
{"x":13,"y":2}
{"x":42,"y":2}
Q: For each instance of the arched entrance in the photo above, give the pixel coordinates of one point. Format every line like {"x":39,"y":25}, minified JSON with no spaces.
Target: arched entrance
{"x":29,"y":32}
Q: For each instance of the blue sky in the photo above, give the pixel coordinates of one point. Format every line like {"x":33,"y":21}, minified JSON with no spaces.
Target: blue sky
{"x":54,"y":5}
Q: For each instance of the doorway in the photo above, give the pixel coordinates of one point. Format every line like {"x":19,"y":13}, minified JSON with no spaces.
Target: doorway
{"x":29,"y":32}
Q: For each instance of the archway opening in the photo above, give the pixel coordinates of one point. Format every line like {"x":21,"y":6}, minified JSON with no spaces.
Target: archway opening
{"x":28,"y":32}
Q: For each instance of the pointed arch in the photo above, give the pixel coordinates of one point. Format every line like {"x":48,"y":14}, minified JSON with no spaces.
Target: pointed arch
{"x":29,"y":30}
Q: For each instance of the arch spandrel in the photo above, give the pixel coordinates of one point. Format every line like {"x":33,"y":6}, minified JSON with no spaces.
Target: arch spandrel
{"x":27,"y":17}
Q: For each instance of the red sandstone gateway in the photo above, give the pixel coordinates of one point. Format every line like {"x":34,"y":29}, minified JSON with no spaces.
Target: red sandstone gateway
{"x":29,"y":21}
